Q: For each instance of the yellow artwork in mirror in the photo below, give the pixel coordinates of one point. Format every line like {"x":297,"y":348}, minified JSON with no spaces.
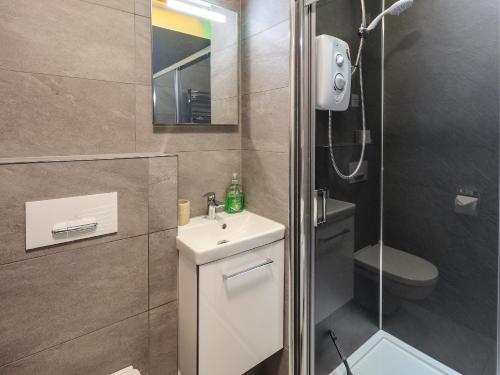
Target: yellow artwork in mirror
{"x":175,"y":21}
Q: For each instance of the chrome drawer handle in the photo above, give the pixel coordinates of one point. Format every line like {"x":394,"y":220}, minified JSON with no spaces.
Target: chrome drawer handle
{"x":267,"y":262}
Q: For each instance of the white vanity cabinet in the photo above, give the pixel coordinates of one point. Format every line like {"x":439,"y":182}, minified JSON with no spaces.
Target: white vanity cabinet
{"x":231,"y":311}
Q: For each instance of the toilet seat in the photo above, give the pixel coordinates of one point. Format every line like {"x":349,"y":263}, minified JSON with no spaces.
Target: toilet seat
{"x":398,"y":265}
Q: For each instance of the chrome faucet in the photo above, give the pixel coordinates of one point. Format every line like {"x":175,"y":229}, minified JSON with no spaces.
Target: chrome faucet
{"x":212,"y":205}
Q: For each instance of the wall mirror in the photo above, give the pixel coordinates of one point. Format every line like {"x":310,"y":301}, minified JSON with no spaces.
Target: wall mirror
{"x":195,"y":63}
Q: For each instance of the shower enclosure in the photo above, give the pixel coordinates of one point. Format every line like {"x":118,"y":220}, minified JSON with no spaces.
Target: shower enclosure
{"x":397,"y":266}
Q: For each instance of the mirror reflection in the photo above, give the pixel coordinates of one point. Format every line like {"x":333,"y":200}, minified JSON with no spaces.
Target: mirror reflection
{"x":195,"y":63}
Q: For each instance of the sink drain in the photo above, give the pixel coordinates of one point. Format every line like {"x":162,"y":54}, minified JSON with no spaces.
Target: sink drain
{"x":222,"y":242}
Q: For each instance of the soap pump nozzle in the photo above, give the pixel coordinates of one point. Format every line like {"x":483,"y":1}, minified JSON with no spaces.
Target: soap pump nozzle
{"x":234,"y":179}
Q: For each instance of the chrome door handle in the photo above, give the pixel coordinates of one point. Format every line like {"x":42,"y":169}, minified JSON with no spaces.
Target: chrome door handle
{"x":323,"y":195}
{"x":267,"y":262}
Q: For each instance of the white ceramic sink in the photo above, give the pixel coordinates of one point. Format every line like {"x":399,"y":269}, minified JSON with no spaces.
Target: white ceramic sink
{"x":205,"y":241}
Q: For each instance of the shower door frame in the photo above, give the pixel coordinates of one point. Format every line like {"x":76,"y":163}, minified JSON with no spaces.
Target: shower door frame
{"x":302,"y":185}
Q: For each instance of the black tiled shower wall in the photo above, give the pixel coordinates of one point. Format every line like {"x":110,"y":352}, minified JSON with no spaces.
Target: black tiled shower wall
{"x":441,"y":133}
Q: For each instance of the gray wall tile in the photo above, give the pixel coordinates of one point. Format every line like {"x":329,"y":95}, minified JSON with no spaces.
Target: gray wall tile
{"x":162,"y":193}
{"x":124,"y":5}
{"x":101,"y":352}
{"x":186,"y":139}
{"x":52,"y":299}
{"x":162,"y":169}
{"x":143,"y":68}
{"x":259,"y":15}
{"x":32,"y":182}
{"x":67,"y":38}
{"x":266,"y":59}
{"x":266,"y":120}
{"x":265,"y":180}
{"x":204,"y":171}
{"x":265,"y":123}
{"x":163,"y":340}
{"x":162,"y":268}
{"x":225,"y":111}
{"x":86,"y":90}
{"x":49,"y":115}
{"x":120,"y":52}
{"x":143,"y":8}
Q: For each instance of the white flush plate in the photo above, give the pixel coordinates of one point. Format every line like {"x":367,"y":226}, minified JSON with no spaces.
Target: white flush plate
{"x":84,"y":216}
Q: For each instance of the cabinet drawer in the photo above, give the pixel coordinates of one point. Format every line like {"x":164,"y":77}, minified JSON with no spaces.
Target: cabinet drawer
{"x":241,"y":310}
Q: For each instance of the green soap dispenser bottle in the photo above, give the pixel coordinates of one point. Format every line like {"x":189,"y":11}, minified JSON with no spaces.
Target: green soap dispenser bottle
{"x":235,"y":201}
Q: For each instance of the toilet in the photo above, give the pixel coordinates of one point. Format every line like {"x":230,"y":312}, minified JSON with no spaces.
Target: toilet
{"x":404,"y":277}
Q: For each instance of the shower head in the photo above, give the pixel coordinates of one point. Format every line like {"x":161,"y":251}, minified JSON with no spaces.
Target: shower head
{"x":399,"y":7}
{"x":394,"y":10}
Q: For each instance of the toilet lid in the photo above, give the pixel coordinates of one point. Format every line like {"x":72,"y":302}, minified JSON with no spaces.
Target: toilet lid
{"x":398,"y":265}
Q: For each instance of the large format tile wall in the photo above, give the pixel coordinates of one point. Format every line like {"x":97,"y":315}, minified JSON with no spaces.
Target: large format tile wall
{"x":207,"y":155}
{"x":75,"y":79}
{"x":441,"y":134}
{"x":266,"y":120}
{"x":93,"y":306}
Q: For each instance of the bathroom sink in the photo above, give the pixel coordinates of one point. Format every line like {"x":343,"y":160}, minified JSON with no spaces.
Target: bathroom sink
{"x":204,"y":240}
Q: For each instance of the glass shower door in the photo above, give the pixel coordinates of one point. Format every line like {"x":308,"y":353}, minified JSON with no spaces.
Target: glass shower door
{"x":346,"y":282}
{"x":404,"y":274}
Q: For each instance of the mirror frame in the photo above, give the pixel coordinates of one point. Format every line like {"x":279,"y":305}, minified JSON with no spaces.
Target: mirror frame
{"x":238,"y":72}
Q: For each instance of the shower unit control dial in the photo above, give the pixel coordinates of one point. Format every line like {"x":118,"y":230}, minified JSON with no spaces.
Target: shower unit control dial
{"x":333,"y":73}
{"x":339,"y":59}
{"x":339,"y":82}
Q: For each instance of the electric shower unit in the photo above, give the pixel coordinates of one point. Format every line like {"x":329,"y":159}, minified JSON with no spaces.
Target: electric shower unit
{"x":334,"y":73}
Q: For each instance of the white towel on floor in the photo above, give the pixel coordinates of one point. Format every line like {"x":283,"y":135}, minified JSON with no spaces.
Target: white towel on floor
{"x":127,"y":371}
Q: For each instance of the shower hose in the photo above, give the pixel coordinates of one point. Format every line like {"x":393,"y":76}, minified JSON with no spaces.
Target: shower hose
{"x":358,"y":65}
{"x":340,"y":352}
